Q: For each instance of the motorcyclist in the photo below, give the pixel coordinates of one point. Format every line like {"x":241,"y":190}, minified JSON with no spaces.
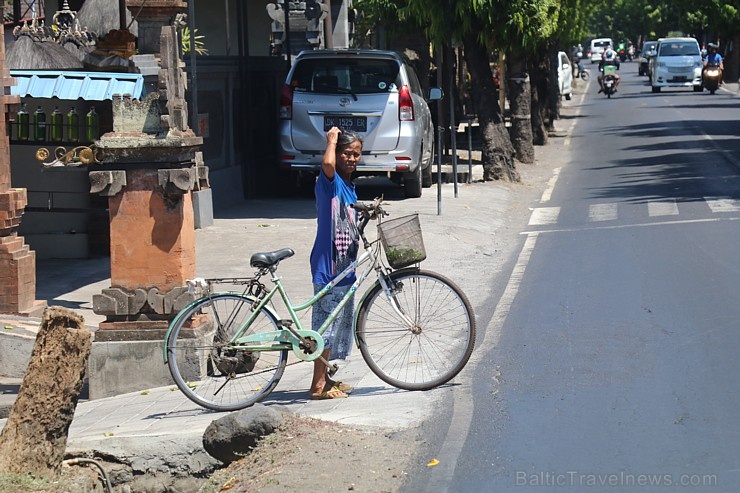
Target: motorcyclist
{"x":713,"y":58}
{"x":609,"y":57}
{"x":577,"y":56}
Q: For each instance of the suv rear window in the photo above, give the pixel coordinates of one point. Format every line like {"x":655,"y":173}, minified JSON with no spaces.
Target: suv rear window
{"x":354,"y":76}
{"x":601,"y":44}
{"x":679,"y":49}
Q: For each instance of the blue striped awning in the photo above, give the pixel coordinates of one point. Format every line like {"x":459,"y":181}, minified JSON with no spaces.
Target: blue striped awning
{"x":90,"y":86}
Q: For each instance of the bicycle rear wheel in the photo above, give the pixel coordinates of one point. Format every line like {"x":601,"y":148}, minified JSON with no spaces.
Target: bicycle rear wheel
{"x":206,"y":369}
{"x":431,"y":351}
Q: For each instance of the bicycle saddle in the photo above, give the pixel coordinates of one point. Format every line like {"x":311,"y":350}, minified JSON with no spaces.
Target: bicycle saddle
{"x":265,"y":260}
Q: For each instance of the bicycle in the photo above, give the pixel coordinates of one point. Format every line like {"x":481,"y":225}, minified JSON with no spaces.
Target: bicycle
{"x":415,"y":329}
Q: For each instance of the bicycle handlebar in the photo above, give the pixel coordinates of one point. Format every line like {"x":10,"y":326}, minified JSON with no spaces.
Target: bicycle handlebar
{"x":368,"y":211}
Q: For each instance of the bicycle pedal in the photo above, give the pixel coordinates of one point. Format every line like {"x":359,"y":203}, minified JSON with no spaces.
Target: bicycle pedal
{"x":332,"y":369}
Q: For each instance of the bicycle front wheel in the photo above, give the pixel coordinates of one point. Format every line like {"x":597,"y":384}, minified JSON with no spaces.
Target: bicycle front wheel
{"x":207,"y":369}
{"x":433,"y":348}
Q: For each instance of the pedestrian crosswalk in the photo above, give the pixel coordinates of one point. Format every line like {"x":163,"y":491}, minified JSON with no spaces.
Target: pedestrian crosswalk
{"x":610,"y":211}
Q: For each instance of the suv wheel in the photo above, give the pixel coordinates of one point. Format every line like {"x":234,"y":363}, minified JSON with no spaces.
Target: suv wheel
{"x":656,"y":88}
{"x":412,"y":183}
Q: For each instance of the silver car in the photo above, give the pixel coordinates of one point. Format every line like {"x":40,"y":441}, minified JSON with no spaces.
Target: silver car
{"x":375,"y":93}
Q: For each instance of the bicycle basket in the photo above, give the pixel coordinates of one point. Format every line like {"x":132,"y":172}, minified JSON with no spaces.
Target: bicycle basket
{"x":402,"y":241}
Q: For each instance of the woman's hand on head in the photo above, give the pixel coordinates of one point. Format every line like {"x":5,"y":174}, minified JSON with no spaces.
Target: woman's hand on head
{"x":332,"y":136}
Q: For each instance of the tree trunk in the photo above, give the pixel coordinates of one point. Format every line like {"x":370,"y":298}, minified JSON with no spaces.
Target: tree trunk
{"x":520,"y":100}
{"x":497,"y":151}
{"x":539,"y":100}
{"x":553,"y":89}
{"x":732,"y":63}
{"x":35,"y":436}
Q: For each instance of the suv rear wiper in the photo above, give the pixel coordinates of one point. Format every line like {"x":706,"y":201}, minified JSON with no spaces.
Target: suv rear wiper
{"x":344,"y":90}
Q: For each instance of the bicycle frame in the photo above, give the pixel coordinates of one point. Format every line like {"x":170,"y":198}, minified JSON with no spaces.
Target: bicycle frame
{"x":291,"y":337}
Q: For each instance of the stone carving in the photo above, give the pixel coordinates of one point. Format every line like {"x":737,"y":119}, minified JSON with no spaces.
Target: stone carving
{"x":107,"y":183}
{"x":119,"y":302}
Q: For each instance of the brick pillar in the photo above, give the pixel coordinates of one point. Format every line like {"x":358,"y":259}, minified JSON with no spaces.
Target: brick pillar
{"x":152,"y":235}
{"x":17,"y":260}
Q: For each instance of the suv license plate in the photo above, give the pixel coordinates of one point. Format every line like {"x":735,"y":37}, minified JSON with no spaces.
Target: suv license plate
{"x":354,"y":123}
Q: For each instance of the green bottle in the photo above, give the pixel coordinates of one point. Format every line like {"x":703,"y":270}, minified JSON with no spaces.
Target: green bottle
{"x":23,"y":123}
{"x":73,"y":126}
{"x":57,"y":125}
{"x":93,"y":125}
{"x":39,"y":125}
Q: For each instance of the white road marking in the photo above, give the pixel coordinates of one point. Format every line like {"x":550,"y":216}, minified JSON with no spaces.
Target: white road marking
{"x":544,"y":215}
{"x":722,"y":204}
{"x":602,"y":212}
{"x":642,"y":225}
{"x":547,"y":194}
{"x":663,"y":207}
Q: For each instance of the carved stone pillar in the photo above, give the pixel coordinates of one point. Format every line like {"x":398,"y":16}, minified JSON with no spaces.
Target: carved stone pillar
{"x":152,"y":249}
{"x":149,"y":166}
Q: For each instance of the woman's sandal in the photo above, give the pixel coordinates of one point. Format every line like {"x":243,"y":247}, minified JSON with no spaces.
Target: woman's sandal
{"x":332,"y":393}
{"x":344,"y":387}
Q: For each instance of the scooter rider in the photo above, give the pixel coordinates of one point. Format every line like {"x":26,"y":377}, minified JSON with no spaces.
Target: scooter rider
{"x":577,"y":56}
{"x":713,"y":58}
{"x":609,"y":57}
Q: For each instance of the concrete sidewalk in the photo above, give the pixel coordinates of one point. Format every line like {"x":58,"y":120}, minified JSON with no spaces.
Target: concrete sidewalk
{"x":160,"y":429}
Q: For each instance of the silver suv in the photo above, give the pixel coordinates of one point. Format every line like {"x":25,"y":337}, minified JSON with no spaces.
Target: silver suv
{"x":373,"y":92}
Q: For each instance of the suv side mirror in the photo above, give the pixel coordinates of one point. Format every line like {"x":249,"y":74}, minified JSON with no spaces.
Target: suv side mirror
{"x":436,"y":93}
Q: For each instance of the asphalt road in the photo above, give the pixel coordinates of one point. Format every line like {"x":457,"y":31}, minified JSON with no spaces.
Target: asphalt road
{"x":610,"y":360}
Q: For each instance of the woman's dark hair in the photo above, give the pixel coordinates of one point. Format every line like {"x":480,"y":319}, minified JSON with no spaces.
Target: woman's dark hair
{"x":346,"y":137}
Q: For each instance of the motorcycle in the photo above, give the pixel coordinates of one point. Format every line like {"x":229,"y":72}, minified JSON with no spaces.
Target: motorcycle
{"x":710,"y":78}
{"x":622,"y":55}
{"x":609,"y":80}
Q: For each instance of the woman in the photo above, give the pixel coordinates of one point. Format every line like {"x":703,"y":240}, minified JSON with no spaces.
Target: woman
{"x":335,"y":247}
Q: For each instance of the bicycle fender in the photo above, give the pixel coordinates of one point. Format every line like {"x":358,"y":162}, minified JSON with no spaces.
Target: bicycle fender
{"x":367,"y":293}
{"x":174,"y":321}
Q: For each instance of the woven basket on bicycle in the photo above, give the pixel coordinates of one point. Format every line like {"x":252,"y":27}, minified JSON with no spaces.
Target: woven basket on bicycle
{"x":402,"y":241}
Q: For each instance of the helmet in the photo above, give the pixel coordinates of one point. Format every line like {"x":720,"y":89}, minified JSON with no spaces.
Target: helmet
{"x":712,"y":46}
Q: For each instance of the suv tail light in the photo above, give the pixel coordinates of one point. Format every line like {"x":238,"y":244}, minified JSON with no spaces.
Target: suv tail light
{"x":405,"y":105}
{"x":286,"y":103}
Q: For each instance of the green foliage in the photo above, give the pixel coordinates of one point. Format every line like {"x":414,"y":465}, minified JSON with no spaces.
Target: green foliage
{"x":629,"y":19}
{"x":12,"y":483}
{"x":200,"y":47}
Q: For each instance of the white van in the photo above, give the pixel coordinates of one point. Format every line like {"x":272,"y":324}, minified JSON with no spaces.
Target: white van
{"x":598,"y":46}
{"x":565,"y":75}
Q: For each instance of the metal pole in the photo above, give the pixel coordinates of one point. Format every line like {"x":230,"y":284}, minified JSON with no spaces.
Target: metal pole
{"x":286,"y":35}
{"x":470,"y":149}
{"x":440,"y":133}
{"x":228,"y":28}
{"x":451,"y":72}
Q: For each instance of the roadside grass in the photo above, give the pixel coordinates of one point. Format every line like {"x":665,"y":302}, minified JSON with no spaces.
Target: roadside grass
{"x":12,"y":483}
